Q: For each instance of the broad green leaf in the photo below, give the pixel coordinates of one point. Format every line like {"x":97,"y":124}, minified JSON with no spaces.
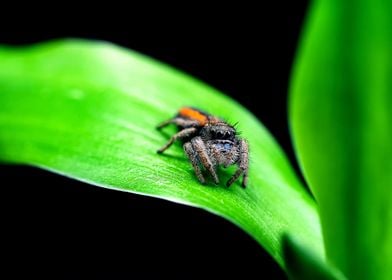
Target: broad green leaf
{"x":88,"y":110}
{"x":341,"y":118}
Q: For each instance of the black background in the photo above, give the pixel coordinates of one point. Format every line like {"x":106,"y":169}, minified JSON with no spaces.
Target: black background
{"x":56,"y":227}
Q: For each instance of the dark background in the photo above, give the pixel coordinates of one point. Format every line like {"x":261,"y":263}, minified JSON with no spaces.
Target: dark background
{"x":54,"y":226}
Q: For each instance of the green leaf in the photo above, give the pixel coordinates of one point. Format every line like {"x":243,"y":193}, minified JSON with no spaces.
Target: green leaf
{"x":341,"y":118}
{"x":302,"y":264}
{"x":88,"y":110}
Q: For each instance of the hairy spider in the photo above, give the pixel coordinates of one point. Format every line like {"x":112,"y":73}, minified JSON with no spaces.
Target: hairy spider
{"x":209,"y":142}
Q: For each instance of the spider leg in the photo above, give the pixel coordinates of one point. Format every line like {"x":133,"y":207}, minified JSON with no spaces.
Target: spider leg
{"x":178,"y":121}
{"x":201,"y":151}
{"x":190,"y":152}
{"x":187,"y":132}
{"x":242,"y":166}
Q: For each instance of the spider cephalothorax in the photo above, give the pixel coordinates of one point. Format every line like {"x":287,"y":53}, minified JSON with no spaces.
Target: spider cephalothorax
{"x":208,"y":143}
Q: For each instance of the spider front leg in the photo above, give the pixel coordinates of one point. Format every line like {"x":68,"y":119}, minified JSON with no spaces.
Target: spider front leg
{"x":187,"y":132}
{"x":201,"y":151}
{"x":243,"y":165}
{"x":190,"y":152}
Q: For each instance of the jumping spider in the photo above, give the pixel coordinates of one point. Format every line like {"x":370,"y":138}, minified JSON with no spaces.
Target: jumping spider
{"x":209,"y":142}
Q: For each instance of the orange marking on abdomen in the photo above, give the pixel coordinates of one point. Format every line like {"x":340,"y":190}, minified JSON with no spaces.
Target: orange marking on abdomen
{"x":193,"y":114}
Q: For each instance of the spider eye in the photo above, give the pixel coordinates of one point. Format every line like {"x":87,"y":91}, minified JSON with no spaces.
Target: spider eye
{"x":219,"y":134}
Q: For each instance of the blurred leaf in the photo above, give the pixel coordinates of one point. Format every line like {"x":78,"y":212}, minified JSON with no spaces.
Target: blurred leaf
{"x":88,"y":110}
{"x":341,"y":118}
{"x":302,"y":264}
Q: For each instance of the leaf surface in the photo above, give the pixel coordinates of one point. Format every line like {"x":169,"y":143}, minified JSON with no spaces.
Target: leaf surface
{"x":88,"y":110}
{"x":341,"y":118}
